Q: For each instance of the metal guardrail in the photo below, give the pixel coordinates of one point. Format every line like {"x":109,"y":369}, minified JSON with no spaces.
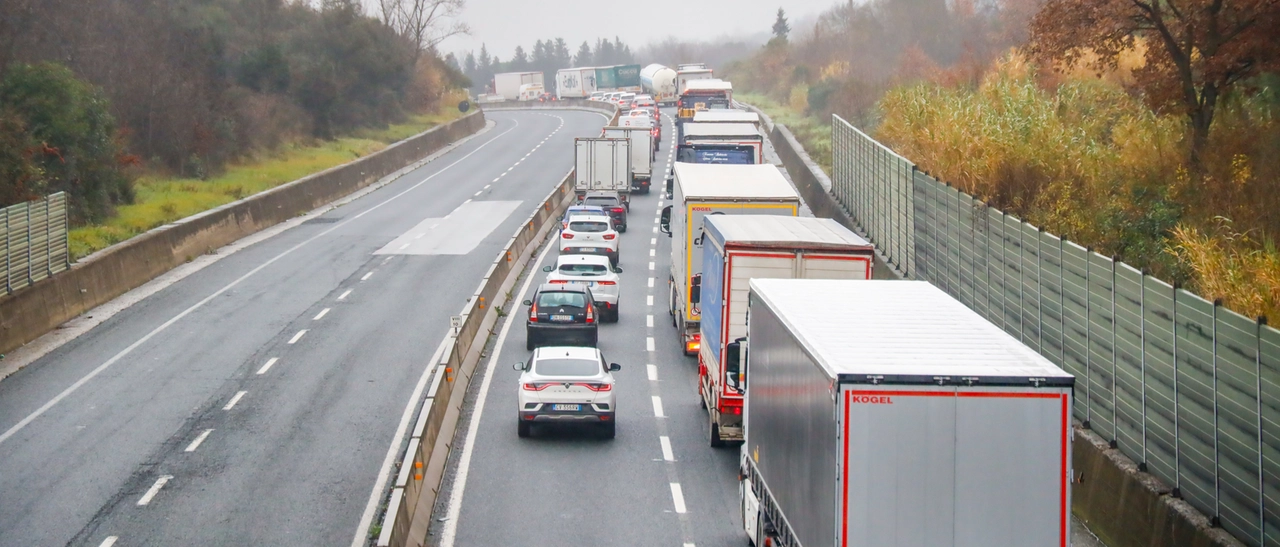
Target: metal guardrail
{"x":1186,"y":388}
{"x":34,"y":235}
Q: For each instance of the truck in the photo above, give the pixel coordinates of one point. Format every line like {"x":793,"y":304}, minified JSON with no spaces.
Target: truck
{"x":699,"y":190}
{"x":686,"y":75}
{"x":887,"y":413}
{"x":508,"y":84}
{"x":701,"y":95}
{"x":727,"y":116}
{"x":602,"y":164}
{"x":739,"y":248}
{"x":691,"y":66}
{"x":696,"y":138}
{"x":530,"y":92}
{"x":641,"y":154}
{"x":575,"y":83}
{"x":627,"y":78}
{"x":659,"y":81}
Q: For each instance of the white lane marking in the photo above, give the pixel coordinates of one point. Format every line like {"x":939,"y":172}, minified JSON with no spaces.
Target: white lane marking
{"x":196,"y":443}
{"x":322,"y":313}
{"x":650,"y":282}
{"x":656,"y":219}
{"x":405,"y":246}
{"x":345,"y":295}
{"x":419,"y":236}
{"x":666,"y":448}
{"x":651,"y":266}
{"x":464,"y":463}
{"x":653,"y":241}
{"x":466,"y":202}
{"x":267,"y":366}
{"x":486,"y":187}
{"x":234,"y":399}
{"x":111,"y":540}
{"x":655,"y":229}
{"x":163,"y":326}
{"x":477,"y":194}
{"x":648,"y":301}
{"x":648,"y":321}
{"x":297,"y":337}
{"x":648,"y":343}
{"x":384,"y":473}
{"x":677,"y":496}
{"x":496,"y":180}
{"x":689,"y":545}
{"x":652,"y":370}
{"x":657,"y":407}
{"x":155,"y":489}
{"x":433,"y":226}
{"x":516,"y":163}
{"x":653,"y":252}
{"x":366,"y":276}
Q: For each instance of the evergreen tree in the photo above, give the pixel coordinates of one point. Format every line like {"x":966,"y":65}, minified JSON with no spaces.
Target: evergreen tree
{"x":519,"y":61}
{"x":584,"y":57}
{"x":780,"y":26}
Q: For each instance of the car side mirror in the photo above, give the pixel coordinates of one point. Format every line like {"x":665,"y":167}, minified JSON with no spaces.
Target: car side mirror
{"x":519,"y":366}
{"x":617,"y":269}
{"x":733,"y":365}
{"x":547,"y":269}
{"x":527,"y":302}
{"x":664,"y":224}
{"x":614,"y":367}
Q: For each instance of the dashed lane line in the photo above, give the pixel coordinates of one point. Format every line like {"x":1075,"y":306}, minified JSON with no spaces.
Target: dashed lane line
{"x":267,"y":366}
{"x":652,"y":371}
{"x":345,"y":295}
{"x":111,"y":540}
{"x":234,"y":399}
{"x":657,"y":407}
{"x":196,"y":443}
{"x":677,"y":497}
{"x":298,"y":336}
{"x":155,"y":489}
{"x":322,"y":313}
{"x":666,"y":448}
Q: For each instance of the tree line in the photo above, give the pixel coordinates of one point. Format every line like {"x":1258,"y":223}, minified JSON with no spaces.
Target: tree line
{"x":91,"y":91}
{"x":546,"y":56}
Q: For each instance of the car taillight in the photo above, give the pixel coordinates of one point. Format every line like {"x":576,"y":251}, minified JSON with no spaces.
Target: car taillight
{"x":606,"y":282}
{"x":694,"y":344}
{"x":599,"y":387}
{"x":609,"y":237}
{"x":566,"y":235}
{"x":534,"y":387}
{"x":591,"y":313}
{"x":616,"y":209}
{"x":533,"y":313}
{"x":558,"y":281}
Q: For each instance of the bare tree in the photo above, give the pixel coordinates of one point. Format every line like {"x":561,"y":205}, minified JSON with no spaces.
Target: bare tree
{"x":425,"y":23}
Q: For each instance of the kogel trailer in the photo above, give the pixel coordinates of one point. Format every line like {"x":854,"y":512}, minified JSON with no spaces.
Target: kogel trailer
{"x":737,"y":249}
{"x":886,"y":413}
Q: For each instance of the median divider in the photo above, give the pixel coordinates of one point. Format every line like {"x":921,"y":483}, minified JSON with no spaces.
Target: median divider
{"x":412,"y":496}
{"x":30,"y":313}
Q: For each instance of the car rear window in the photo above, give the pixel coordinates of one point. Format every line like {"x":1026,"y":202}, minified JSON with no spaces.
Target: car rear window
{"x":584,"y":269}
{"x":567,"y":367}
{"x":556,"y":298}
{"x":590,"y":226}
{"x":607,"y":202}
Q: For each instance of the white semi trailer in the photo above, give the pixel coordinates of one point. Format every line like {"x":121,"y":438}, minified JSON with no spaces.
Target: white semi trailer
{"x":659,"y":81}
{"x":887,"y":413}
{"x":508,"y":84}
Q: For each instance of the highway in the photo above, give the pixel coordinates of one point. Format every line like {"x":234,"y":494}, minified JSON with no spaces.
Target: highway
{"x":657,"y":483}
{"x":254,"y":401}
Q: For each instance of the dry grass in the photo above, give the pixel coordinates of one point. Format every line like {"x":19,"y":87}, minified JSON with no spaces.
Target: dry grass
{"x":1234,"y":267}
{"x":161,"y":200}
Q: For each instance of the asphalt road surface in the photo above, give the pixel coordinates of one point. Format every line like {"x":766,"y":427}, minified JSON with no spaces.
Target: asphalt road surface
{"x":253,"y":402}
{"x":657,"y":483}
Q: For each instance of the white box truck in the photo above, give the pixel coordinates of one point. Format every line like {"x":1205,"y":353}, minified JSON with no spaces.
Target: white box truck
{"x":700,"y":190}
{"x":659,"y":81}
{"x":575,"y":83}
{"x":602,"y":165}
{"x":696,"y":138}
{"x":731,"y":115}
{"x":508,"y":84}
{"x":641,"y":154}
{"x":686,"y":75}
{"x":737,"y":249}
{"x":887,"y":413}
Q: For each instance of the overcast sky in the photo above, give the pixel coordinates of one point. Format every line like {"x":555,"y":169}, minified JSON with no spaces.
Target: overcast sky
{"x":503,"y":24}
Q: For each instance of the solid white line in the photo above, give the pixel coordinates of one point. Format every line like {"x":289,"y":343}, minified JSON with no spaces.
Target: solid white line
{"x":464,"y":463}
{"x":111,"y":540}
{"x":652,"y":370}
{"x":155,"y":489}
{"x":366,"y":276}
{"x":344,"y":295}
{"x":267,"y":366}
{"x":666,"y":448}
{"x":297,"y":337}
{"x":163,"y":326}
{"x":651,"y":282}
{"x":657,"y":407}
{"x":196,"y":443}
{"x":678,"y":497}
{"x":648,"y":321}
{"x":234,"y":399}
{"x":648,"y":343}
{"x":384,"y":473}
{"x":321,"y":314}
{"x":648,"y":300}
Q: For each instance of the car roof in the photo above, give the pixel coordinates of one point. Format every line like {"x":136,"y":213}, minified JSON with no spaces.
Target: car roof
{"x":582,"y":259}
{"x":602,"y":194}
{"x":584,"y":207}
{"x":592,"y":218}
{"x":566,"y":352}
{"x":560,"y":287}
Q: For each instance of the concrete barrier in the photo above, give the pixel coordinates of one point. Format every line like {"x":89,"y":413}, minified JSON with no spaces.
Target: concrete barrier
{"x":1122,"y":505}
{"x":411,"y":499}
{"x":36,"y":310}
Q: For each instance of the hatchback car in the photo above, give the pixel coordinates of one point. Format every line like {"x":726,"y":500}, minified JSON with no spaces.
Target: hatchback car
{"x":566,"y":384}
{"x":612,"y":204}
{"x":582,"y":210}
{"x":594,"y":272}
{"x":562,"y":313}
{"x":592,"y":235}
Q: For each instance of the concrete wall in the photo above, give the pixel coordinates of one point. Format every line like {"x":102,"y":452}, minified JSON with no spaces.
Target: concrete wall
{"x":36,"y":310}
{"x":1122,"y":505}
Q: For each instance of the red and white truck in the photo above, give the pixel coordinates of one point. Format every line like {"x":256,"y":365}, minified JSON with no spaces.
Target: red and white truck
{"x":739,"y":248}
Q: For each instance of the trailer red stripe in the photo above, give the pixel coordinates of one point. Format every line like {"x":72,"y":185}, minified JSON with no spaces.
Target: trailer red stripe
{"x":844,"y":493}
{"x":1066,"y":430}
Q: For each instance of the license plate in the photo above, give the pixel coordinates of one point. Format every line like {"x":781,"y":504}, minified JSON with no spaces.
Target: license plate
{"x":574,"y":408}
{"x":562,"y":318}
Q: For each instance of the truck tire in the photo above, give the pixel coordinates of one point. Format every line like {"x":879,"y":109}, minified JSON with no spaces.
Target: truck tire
{"x":523,"y":428}
{"x":716,"y":442}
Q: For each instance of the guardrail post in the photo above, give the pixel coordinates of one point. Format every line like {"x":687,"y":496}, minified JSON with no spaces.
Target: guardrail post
{"x":1142,"y":339}
{"x":1217,"y":448}
{"x":1177,"y":430}
{"x":1262,"y":497}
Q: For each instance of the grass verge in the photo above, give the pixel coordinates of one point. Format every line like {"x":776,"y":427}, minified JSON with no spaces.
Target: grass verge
{"x":162,"y":199}
{"x":814,"y":134}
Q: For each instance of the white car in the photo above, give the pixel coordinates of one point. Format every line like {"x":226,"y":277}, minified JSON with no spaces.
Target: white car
{"x":566,"y":384}
{"x":592,"y":235}
{"x":642,"y":112}
{"x":594,"y":272}
{"x":596,"y":96}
